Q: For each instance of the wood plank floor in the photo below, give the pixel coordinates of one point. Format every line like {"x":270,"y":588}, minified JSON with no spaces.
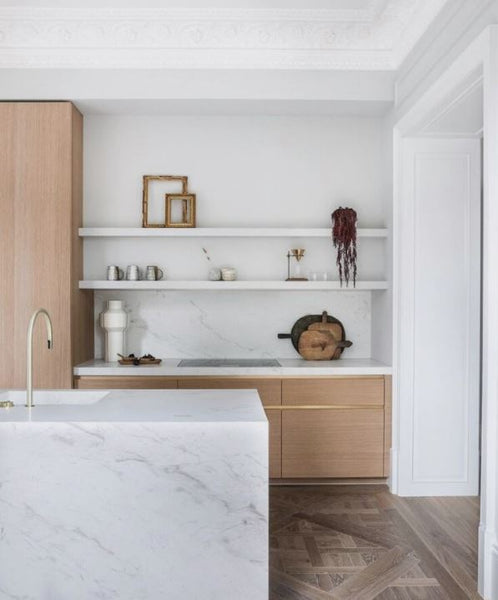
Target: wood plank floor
{"x":361,"y":543}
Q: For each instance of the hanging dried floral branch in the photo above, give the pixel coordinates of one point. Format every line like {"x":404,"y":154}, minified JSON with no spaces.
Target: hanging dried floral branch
{"x":206,"y":254}
{"x":344,"y":239}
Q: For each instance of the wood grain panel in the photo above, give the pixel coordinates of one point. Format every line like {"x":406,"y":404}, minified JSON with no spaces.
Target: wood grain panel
{"x":41,"y":177}
{"x":333,"y":443}
{"x":82,"y":326}
{"x":274,"y":417}
{"x":377,"y":577}
{"x":341,"y":391}
{"x":42,"y":243}
{"x":7,"y":220}
{"x":123,"y":383}
{"x":352,"y":542}
{"x":269,"y":389}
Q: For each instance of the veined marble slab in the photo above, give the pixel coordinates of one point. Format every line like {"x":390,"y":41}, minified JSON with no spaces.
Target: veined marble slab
{"x":288,"y":366}
{"x":217,"y":324}
{"x":134,"y":495}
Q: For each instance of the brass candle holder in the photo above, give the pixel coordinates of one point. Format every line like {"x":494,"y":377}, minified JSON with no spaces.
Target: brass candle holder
{"x":298,"y":254}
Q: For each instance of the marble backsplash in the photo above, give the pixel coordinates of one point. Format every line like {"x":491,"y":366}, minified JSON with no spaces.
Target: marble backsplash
{"x":206,"y":324}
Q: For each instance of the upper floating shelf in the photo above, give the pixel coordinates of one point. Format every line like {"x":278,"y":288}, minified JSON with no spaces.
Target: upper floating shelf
{"x":220,"y":232}
{"x":304,"y":286}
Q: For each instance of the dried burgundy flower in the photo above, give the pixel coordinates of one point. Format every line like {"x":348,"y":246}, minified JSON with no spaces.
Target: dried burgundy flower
{"x":344,"y":239}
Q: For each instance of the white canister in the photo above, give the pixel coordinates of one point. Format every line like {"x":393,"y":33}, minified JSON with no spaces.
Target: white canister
{"x":114,"y":321}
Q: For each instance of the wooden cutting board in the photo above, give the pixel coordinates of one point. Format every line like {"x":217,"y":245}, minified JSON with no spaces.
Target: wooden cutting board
{"x":317,"y":345}
{"x":334,"y":328}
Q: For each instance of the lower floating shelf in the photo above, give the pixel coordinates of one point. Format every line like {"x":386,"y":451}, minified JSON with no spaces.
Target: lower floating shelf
{"x":303,"y":286}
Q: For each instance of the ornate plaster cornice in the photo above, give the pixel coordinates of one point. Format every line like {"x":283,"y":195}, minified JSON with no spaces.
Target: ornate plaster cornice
{"x":370,"y":38}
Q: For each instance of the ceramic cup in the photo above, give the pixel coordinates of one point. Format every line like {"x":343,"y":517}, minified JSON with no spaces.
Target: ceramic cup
{"x":132,"y":273}
{"x":153,"y":273}
{"x":214,"y":274}
{"x":318,"y":276}
{"x":114,"y":273}
{"x":228,"y":274}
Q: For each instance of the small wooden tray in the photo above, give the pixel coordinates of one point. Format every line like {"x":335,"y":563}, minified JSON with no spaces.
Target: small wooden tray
{"x":143,"y":361}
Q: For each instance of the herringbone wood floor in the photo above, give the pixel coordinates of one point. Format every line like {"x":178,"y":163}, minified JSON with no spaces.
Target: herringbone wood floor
{"x":362,"y":543}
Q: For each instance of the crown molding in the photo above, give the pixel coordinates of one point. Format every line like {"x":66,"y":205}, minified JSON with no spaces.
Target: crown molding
{"x":375,"y":37}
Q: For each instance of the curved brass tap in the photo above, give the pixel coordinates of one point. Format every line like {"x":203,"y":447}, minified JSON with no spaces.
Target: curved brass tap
{"x":29,"y":353}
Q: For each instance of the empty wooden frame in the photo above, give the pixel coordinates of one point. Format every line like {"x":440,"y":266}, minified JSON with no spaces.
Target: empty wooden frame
{"x":172,"y":184}
{"x":180,"y":210}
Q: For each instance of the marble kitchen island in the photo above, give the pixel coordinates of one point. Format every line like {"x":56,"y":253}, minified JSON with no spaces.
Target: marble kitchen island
{"x":134,"y":495}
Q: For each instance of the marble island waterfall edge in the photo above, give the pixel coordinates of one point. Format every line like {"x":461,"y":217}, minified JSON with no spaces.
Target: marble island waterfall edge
{"x":168,"y":507}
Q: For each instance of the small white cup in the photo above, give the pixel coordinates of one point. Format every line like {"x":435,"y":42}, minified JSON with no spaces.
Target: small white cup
{"x":153,"y":273}
{"x":318,"y":276}
{"x":214,"y":274}
{"x":132,"y":273}
{"x":114,"y":273}
{"x":228,"y":274}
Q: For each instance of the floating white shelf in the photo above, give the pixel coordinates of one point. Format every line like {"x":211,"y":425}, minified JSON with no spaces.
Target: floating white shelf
{"x":286,"y":232}
{"x":303,"y":286}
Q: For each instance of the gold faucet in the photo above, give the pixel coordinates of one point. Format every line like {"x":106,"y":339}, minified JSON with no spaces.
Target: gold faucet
{"x":29,"y":361}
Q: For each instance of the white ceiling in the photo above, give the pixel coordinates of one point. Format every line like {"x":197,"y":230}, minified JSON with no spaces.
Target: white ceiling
{"x":212,"y":34}
{"x":293,"y":57}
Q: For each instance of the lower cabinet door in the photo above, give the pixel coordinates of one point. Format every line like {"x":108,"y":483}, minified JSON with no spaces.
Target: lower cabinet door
{"x":269,"y":390}
{"x":135,"y":382}
{"x":275,"y":426}
{"x":332,"y":443}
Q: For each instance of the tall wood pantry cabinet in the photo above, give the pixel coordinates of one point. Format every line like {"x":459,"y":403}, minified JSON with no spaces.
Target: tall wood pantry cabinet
{"x":41,"y":262}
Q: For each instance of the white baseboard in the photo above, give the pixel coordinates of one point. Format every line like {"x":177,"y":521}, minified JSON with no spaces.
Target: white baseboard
{"x":419,"y":489}
{"x":494,"y":572}
{"x":488,"y":564}
{"x":392,"y":481}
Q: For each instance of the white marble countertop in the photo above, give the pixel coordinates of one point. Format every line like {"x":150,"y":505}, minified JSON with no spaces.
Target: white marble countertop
{"x":289,"y":366}
{"x":134,"y":495}
{"x":138,"y":406}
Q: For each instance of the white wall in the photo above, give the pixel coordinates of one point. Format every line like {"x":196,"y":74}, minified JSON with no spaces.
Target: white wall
{"x":488,"y":528}
{"x":448,"y":37}
{"x":382,"y":304}
{"x":439,"y":317}
{"x":246,"y":171}
{"x":481,"y":54}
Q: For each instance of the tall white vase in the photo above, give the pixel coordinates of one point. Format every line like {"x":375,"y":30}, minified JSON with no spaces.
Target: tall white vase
{"x":114,"y":321}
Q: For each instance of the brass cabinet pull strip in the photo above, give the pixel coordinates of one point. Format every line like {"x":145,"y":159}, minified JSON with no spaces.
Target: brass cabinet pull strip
{"x":327,"y":407}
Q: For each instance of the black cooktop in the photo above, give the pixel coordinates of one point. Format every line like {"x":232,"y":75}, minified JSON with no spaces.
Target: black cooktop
{"x":229,"y":362}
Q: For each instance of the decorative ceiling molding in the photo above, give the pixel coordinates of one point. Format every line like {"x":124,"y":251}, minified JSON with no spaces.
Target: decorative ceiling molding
{"x":376,"y":37}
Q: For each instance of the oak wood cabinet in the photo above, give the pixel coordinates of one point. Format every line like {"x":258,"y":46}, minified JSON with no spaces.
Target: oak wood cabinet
{"x":333,"y":427}
{"x":334,"y":391}
{"x":319,"y":427}
{"x":126,"y":383}
{"x":332,"y":443}
{"x":275,"y":441}
{"x":270,"y":390}
{"x":41,"y":259}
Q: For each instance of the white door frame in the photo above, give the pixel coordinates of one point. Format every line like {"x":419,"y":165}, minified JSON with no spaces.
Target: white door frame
{"x":479,"y":60}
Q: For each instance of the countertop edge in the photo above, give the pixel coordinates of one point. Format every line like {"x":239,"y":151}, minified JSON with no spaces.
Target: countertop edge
{"x":169,"y":368}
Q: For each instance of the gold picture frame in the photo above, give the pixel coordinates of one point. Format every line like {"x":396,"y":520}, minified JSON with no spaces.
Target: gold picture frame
{"x":188,"y":210}
{"x":183,"y":179}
